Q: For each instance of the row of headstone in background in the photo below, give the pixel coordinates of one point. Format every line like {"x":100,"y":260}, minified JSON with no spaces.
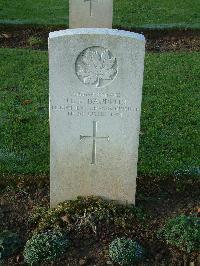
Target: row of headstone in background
{"x":96,"y":78}
{"x":90,"y":13}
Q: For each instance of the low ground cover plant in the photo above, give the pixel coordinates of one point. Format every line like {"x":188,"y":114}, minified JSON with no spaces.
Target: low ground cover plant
{"x":45,"y":247}
{"x":35,"y":41}
{"x":9,"y":243}
{"x":87,"y":214}
{"x":183,"y":232}
{"x":81,"y":218}
{"x":125,"y":251}
{"x":185,"y":178}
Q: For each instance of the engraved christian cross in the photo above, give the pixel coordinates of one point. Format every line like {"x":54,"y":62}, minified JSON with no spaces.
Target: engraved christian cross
{"x":95,"y":138}
{"x":90,"y":5}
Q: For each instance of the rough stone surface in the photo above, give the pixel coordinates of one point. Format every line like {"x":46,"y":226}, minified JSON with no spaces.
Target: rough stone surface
{"x":90,"y":13}
{"x":96,"y":78}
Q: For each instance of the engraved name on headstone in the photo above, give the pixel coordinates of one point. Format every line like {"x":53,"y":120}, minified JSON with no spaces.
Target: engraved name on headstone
{"x":90,"y":13}
{"x":96,"y":78}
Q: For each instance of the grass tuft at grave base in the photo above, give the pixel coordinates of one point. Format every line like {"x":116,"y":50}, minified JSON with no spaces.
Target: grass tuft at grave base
{"x":170,"y":125}
{"x":127,"y":13}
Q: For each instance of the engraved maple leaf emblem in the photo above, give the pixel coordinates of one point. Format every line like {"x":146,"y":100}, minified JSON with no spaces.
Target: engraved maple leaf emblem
{"x":96,"y":66}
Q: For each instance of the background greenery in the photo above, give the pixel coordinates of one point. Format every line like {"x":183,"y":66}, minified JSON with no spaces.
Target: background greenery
{"x":170,"y":127}
{"x":127,"y":13}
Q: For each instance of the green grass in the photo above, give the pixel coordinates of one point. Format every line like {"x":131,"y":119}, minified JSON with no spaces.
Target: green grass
{"x":170,"y":114}
{"x":23,"y":111}
{"x":127,"y":13}
{"x":170,"y":128}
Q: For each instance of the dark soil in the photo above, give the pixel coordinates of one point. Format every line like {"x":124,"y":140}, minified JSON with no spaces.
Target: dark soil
{"x":157,"y":40}
{"x":157,"y":197}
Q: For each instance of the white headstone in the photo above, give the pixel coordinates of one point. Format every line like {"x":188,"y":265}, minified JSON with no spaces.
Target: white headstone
{"x":90,"y":13}
{"x":96,"y":78}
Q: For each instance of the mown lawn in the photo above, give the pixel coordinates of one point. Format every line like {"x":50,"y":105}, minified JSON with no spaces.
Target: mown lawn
{"x":170,"y":138}
{"x":127,"y":13}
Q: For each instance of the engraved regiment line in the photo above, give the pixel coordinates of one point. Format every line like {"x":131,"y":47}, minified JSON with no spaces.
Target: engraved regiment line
{"x":94,"y":137}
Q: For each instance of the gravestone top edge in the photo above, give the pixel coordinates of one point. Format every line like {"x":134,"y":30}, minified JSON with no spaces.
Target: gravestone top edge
{"x":97,"y":31}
